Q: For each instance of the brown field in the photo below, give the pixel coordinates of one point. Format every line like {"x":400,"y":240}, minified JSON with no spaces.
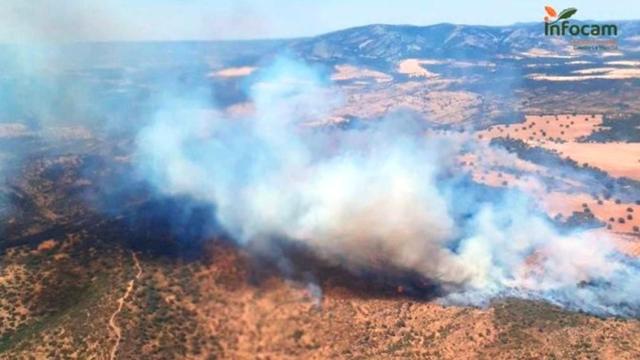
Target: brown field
{"x":618,"y":159}
{"x":438,"y":106}
{"x":561,"y":134}
{"x":621,"y":217}
{"x":349,"y":72}
{"x":234,"y":72}
{"x":546,"y":129}
{"x":414,"y":68}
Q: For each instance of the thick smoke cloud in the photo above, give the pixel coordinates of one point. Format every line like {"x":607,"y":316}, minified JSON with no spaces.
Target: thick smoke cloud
{"x":386,"y":196}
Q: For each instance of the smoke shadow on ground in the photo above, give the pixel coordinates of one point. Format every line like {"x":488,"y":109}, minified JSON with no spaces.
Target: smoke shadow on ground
{"x":181,"y":230}
{"x":296,"y":262}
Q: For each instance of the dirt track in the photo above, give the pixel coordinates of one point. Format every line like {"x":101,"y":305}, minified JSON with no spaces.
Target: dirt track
{"x":113,"y":326}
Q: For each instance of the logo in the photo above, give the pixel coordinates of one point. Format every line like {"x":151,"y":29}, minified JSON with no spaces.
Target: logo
{"x":557,"y":24}
{"x":564,"y":14}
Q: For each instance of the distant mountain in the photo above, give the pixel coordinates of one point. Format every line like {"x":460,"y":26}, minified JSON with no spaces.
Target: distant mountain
{"x":374,"y":44}
{"x":388,"y":43}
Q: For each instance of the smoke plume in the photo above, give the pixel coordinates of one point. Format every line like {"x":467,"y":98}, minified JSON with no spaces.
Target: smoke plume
{"x":383,"y":196}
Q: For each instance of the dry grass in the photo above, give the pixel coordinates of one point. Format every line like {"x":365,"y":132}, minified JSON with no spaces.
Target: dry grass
{"x":234,"y":72}
{"x":415,"y":68}
{"x":541,"y":130}
{"x":618,"y":159}
{"x":349,"y":72}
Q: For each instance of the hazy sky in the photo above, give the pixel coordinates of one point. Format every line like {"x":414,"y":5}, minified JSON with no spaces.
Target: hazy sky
{"x":74,"y":20}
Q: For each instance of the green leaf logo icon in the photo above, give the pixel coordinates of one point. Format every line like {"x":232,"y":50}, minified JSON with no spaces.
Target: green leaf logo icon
{"x":567,"y":13}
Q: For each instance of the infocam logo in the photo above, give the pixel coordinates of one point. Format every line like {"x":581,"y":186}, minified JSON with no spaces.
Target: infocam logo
{"x":557,"y":24}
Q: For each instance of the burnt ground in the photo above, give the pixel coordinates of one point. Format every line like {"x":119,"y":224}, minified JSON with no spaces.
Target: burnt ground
{"x":67,"y":262}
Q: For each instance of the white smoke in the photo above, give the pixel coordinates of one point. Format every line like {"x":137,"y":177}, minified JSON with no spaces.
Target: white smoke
{"x":383,"y":196}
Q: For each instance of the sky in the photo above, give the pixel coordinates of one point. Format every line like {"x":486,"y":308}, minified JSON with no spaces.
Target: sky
{"x":135,"y":20}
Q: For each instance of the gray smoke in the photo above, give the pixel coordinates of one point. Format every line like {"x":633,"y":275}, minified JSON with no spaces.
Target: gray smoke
{"x":383,"y":196}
